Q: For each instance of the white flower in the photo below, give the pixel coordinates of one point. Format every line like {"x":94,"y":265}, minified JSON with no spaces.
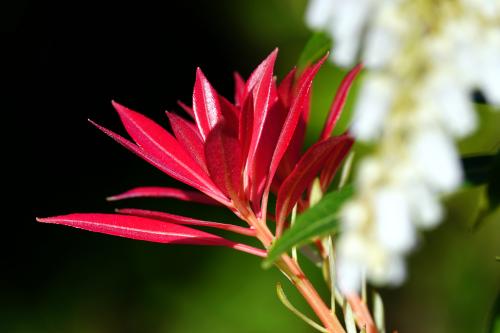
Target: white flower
{"x":424,"y":205}
{"x":344,"y":20}
{"x":436,"y":159}
{"x":393,"y":227}
{"x":375,"y":100}
{"x":423,"y":63}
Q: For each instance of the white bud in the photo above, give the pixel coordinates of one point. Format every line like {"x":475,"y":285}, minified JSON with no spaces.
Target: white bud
{"x":319,"y":13}
{"x":349,"y":275}
{"x":393,"y":227}
{"x":436,"y":159}
{"x":425,"y":206}
{"x":374,"y":102}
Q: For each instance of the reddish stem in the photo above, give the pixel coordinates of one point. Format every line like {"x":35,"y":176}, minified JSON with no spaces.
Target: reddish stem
{"x":361,"y":313}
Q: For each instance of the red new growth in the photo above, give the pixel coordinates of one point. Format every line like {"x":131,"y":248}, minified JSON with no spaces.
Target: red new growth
{"x":233,"y":155}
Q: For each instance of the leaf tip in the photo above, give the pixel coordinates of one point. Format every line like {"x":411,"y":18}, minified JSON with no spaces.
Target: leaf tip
{"x":44,"y":219}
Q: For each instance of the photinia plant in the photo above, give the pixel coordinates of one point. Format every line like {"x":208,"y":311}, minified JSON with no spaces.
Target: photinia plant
{"x":236,"y":155}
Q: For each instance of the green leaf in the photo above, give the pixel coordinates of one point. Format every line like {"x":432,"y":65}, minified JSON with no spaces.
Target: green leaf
{"x":316,"y":47}
{"x":486,"y":139}
{"x":319,"y":220}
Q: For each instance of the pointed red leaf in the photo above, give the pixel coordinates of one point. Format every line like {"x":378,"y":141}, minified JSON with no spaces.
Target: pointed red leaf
{"x":304,"y":172}
{"x":339,"y":101}
{"x":206,"y":106}
{"x":259,"y":166}
{"x":239,"y":89}
{"x":223,"y":156}
{"x":177,"y":219}
{"x":141,"y":228}
{"x":334,"y":162}
{"x":293,"y":117}
{"x":157,"y":142}
{"x":187,"y":109}
{"x":164,"y":192}
{"x":245,"y":133}
{"x":261,"y":84}
{"x":188,"y":136}
{"x":258,"y":73}
{"x":231,"y":115}
{"x":285,"y":89}
{"x":294,"y":149}
{"x":170,"y":167}
{"x":137,"y":228}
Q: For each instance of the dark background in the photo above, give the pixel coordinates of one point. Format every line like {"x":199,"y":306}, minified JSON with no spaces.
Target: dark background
{"x":66,"y":62}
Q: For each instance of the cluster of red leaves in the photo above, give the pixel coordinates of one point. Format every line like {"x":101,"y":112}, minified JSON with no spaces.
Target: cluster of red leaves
{"x":233,"y":154}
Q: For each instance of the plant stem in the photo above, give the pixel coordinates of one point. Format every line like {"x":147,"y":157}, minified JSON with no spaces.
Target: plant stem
{"x":293,"y":271}
{"x":304,"y":286}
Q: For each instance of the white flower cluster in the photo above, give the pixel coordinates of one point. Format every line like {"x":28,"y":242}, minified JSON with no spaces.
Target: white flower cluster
{"x":424,"y":59}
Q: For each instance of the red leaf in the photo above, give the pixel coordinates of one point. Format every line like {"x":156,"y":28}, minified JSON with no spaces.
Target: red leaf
{"x":258,"y":73}
{"x":294,"y":149}
{"x":293,"y":118}
{"x":245,"y":131}
{"x":164,"y":192}
{"x":157,"y":142}
{"x":187,"y":109}
{"x":304,"y":172}
{"x":145,"y":229}
{"x":231,"y":116}
{"x":261,"y":83}
{"x":239,"y":89}
{"x":170,"y":166}
{"x":285,"y":89}
{"x":334,"y":162}
{"x":188,"y":136}
{"x":223,"y":156}
{"x":259,"y":165}
{"x":339,"y":101}
{"x":137,"y":228}
{"x":177,"y":219}
{"x":206,"y":106}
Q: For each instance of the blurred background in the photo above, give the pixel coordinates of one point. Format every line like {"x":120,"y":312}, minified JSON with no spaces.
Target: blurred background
{"x":71,"y":59}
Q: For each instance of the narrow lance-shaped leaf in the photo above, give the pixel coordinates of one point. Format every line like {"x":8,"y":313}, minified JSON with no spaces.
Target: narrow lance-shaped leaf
{"x":145,"y":229}
{"x":245,"y":127}
{"x":231,"y":115}
{"x":292,"y":119}
{"x":177,"y":219}
{"x":239,"y":89}
{"x":334,"y":162}
{"x":205,"y":104}
{"x":294,"y":149}
{"x":261,"y":83}
{"x":258,"y":73}
{"x":318,"y":220}
{"x":264,"y":152}
{"x":304,"y":172}
{"x":223,"y":156}
{"x":187,"y":109}
{"x":188,"y":136}
{"x":156,"y":141}
{"x":285,"y":88}
{"x":164,"y":192}
{"x":339,"y":102}
{"x":167,"y":165}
